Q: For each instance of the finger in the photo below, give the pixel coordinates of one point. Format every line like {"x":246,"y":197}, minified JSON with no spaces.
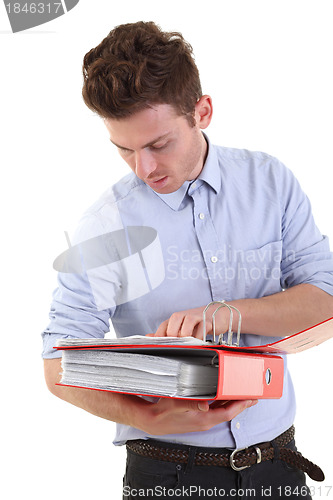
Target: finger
{"x":198,"y":331}
{"x":196,"y":405}
{"x":161,"y":330}
{"x":218,"y":404}
{"x":173,"y":405}
{"x":232,"y":408}
{"x":175,"y":324}
{"x":190,"y":325}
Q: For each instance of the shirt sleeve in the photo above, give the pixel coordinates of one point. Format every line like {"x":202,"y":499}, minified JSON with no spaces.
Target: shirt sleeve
{"x":306,"y":256}
{"x":73,"y":314}
{"x":73,"y":311}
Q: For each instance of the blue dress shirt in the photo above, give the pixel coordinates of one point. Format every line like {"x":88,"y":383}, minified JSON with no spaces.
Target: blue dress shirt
{"x":242,"y":229}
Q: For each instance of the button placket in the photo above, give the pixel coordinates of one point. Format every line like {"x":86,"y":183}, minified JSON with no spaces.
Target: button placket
{"x":208,"y":241}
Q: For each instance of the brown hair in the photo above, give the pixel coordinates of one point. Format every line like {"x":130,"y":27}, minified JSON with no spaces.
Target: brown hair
{"x":138,"y":65}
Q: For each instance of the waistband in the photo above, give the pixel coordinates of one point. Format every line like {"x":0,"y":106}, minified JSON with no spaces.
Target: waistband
{"x":238,"y":459}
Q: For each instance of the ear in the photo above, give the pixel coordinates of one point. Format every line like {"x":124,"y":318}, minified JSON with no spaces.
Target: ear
{"x":203,"y":111}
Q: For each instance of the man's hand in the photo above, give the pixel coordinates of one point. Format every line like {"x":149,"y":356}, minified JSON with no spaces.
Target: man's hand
{"x":177,"y":416}
{"x":189,"y":323}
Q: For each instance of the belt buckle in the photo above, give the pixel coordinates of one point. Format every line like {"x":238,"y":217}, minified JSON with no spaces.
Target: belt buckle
{"x":232,"y":458}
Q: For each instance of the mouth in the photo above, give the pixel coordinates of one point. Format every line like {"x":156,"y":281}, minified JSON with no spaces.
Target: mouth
{"x":158,"y":183}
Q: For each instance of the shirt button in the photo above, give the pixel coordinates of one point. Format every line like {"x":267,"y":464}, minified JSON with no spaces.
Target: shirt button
{"x":214,"y":259}
{"x":194,"y":185}
{"x":238,"y":425}
{"x":201,"y":216}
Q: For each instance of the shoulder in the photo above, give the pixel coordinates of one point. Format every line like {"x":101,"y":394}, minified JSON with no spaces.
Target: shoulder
{"x":245,"y":158}
{"x":252,"y":166}
{"x":125,"y":188}
{"x":104,"y":215}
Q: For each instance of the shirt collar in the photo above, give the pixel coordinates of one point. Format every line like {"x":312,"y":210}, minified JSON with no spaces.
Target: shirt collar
{"x":209,"y":174}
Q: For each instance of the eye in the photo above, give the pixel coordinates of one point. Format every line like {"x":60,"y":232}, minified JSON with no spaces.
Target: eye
{"x":158,"y":146}
{"x":124,"y":151}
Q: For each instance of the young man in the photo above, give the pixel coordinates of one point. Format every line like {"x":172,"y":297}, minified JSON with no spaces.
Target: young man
{"x":230,"y":225}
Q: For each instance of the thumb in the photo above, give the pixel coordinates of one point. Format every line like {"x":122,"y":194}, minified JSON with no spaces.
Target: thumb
{"x":203,"y":405}
{"x":175,"y":405}
{"x":200,"y":405}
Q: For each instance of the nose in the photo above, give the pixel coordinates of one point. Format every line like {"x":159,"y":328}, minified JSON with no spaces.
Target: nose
{"x":145,"y":164}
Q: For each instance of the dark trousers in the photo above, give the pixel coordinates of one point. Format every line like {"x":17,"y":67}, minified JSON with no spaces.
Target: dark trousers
{"x":149,"y":478}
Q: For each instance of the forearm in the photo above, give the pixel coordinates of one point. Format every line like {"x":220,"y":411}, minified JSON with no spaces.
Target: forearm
{"x":284,"y":313}
{"x":279,"y":315}
{"x":119,"y":408}
{"x":167,"y":416}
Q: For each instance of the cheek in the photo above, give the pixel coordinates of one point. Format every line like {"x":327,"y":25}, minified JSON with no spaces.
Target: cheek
{"x":170,"y":160}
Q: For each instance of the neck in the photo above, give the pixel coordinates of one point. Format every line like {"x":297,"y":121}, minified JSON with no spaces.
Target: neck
{"x":203,"y":155}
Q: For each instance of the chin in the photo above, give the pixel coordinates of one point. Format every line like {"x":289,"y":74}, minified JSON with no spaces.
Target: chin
{"x":166,"y":190}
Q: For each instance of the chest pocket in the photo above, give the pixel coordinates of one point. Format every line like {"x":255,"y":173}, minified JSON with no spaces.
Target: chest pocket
{"x":258,"y":270}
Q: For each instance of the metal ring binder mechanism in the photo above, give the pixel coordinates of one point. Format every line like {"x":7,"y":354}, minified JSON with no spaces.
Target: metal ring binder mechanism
{"x":220,"y":340}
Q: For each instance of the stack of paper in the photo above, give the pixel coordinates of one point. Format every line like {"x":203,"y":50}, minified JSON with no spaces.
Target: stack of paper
{"x":132,"y":340}
{"x":148,"y":374}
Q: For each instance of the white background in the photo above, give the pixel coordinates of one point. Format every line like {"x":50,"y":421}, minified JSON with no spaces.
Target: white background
{"x":268,"y":66}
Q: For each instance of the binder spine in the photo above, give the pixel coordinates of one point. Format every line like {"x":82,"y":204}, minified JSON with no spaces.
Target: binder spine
{"x":249,"y":376}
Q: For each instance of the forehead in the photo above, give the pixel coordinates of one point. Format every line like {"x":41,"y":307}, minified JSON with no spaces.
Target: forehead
{"x":145,"y":126}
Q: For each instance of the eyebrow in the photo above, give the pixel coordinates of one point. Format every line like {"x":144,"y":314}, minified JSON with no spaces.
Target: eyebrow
{"x":151,"y":143}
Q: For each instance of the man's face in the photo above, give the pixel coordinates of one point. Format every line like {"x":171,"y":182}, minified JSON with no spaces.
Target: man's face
{"x":161,"y":147}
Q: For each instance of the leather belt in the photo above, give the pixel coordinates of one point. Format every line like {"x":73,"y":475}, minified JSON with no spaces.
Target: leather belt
{"x":238,"y":459}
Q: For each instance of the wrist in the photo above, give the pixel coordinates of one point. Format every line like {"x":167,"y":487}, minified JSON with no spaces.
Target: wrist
{"x":137,"y":412}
